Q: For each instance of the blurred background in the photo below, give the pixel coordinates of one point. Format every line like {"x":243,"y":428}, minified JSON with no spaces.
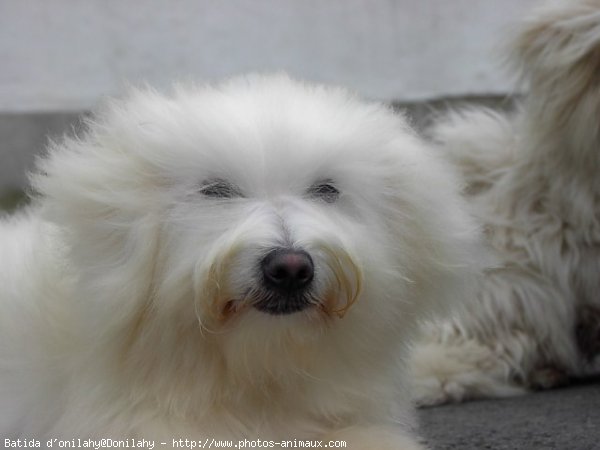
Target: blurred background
{"x":59,"y":58}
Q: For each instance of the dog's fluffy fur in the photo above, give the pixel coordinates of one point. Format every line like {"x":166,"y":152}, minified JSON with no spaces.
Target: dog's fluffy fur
{"x":534,"y":180}
{"x":127,"y":289}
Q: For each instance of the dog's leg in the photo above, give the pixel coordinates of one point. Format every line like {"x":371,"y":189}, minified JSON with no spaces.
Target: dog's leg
{"x":460,"y":369}
{"x":513,"y":339}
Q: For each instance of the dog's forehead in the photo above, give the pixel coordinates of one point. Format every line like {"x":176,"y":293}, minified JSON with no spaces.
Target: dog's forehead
{"x":283,"y":128}
{"x":272,"y":132}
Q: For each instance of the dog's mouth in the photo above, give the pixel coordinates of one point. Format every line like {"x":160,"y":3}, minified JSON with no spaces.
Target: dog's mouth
{"x":282,"y":304}
{"x":276,"y":304}
{"x":286,"y":282}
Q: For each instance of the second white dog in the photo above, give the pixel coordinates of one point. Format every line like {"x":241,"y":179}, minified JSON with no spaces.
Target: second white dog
{"x":534,"y":181}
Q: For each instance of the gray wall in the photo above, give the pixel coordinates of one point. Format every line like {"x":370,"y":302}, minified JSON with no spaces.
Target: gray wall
{"x":65,"y":54}
{"x":60,"y":57}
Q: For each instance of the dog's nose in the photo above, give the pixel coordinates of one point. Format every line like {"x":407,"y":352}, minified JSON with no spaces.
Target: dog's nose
{"x":287,"y":270}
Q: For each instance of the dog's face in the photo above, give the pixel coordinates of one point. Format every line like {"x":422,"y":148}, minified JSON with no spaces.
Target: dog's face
{"x":259,"y":209}
{"x":278,"y":210}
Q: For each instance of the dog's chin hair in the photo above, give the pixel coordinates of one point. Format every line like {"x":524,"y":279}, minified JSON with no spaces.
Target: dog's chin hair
{"x":216,"y":303}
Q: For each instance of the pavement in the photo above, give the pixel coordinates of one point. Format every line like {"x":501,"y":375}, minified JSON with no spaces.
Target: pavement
{"x":561,"y":419}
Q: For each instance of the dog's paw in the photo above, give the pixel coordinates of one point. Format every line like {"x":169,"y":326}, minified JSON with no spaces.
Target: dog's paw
{"x":448,"y":373}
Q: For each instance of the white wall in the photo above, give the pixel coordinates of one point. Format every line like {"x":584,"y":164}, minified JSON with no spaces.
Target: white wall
{"x":66,"y":54}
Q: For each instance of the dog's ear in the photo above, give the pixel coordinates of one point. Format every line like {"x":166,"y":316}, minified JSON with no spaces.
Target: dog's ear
{"x":105,"y":204}
{"x":558,"y":52}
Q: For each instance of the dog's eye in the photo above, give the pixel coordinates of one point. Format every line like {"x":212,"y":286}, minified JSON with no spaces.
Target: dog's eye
{"x":325,"y":191}
{"x":219,"y":189}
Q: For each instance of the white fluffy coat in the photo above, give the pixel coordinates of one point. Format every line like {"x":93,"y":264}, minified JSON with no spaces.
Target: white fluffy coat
{"x":124,"y":289}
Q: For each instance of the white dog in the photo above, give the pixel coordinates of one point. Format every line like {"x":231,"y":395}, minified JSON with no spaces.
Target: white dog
{"x":534,"y":180}
{"x":245,"y":261}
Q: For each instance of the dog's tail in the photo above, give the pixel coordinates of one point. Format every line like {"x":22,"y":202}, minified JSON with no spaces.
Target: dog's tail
{"x":558,"y":53}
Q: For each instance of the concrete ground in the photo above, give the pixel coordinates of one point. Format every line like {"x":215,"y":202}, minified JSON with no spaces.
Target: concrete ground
{"x":561,"y":419}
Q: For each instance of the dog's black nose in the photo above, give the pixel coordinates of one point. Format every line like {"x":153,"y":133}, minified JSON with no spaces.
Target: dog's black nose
{"x":287,"y":270}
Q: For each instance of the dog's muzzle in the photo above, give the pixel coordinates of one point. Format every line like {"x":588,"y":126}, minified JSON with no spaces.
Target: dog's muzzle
{"x":287,"y":275}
